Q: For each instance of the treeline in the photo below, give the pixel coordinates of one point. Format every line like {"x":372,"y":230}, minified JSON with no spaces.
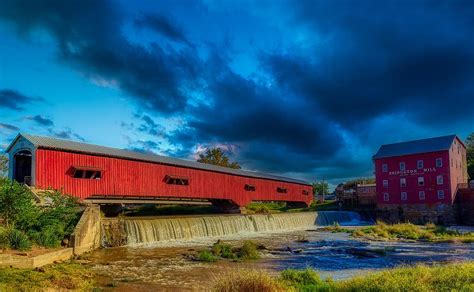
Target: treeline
{"x":24,"y":222}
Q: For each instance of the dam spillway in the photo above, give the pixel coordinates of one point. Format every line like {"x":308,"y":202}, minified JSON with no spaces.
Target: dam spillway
{"x":148,"y":231}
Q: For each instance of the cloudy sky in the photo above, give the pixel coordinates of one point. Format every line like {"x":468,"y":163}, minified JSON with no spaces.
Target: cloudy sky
{"x":308,"y":89}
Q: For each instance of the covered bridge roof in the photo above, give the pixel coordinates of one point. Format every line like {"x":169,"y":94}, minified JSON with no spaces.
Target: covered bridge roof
{"x":72,"y":146}
{"x":415,"y":147}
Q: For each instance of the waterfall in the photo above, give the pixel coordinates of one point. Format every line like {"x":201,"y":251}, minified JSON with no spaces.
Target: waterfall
{"x":326,"y":218}
{"x":146,"y":231}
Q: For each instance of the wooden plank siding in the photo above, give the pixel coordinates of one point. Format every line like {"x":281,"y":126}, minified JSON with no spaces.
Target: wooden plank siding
{"x":123,"y":177}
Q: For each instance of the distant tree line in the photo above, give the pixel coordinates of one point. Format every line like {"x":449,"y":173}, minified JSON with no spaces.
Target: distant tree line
{"x":470,"y":155}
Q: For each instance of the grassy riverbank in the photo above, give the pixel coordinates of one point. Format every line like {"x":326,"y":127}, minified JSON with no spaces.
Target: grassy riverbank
{"x":271,"y":208}
{"x":64,"y":276}
{"x":406,"y":231}
{"x":451,"y":277}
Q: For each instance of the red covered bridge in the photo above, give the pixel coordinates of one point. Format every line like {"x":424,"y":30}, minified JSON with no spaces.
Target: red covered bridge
{"x":108,"y":175}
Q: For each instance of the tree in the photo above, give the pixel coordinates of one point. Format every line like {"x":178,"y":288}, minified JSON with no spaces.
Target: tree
{"x":470,"y":155}
{"x":217,"y":157}
{"x":3,"y":165}
{"x":17,"y":207}
{"x":321,"y":187}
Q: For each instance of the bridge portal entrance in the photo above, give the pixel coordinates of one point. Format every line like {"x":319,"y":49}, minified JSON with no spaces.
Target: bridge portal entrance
{"x":22,"y":167}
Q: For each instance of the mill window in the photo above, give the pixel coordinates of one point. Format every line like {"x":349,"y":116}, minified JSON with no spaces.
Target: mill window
{"x":421,"y":195}
{"x":403,"y":182}
{"x":421,"y":181}
{"x":440,"y":194}
{"x":402,"y":166}
{"x":439,"y":179}
{"x":420,"y":164}
{"x":404,"y":196}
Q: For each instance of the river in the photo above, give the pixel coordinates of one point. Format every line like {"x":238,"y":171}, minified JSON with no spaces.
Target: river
{"x":161,"y":267}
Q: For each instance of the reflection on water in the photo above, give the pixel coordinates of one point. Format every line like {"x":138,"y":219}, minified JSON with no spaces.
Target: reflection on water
{"x":141,"y":269}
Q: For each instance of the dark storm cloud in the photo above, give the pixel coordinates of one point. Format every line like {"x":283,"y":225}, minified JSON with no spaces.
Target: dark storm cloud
{"x":278,"y":134}
{"x":67,"y":134}
{"x":40,"y":120}
{"x":89,"y":38}
{"x":308,"y":105}
{"x":382,"y":58}
{"x":149,"y":126}
{"x":48,"y":125}
{"x":15,"y":100}
{"x":9,"y":127}
{"x":162,"y":25}
{"x":144,"y":146}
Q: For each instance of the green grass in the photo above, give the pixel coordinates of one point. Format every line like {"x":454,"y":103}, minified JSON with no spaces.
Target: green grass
{"x":408,"y":231}
{"x":336,"y":228}
{"x":64,"y":276}
{"x":266,"y":208}
{"x":451,"y":277}
{"x":280,"y":207}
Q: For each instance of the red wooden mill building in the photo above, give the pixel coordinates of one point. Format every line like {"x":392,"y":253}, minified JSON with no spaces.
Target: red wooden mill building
{"x":418,"y":180}
{"x":107,"y":175}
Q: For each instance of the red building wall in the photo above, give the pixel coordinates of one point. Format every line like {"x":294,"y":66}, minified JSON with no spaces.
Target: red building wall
{"x":123,"y":177}
{"x":458,"y":165}
{"x":429,"y":172}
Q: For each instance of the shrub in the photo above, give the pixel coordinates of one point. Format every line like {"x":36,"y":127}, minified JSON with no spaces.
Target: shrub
{"x":50,"y":236}
{"x":17,"y":206}
{"x":224,"y":250}
{"x":4,"y":239}
{"x":304,"y":280}
{"x":46,"y":226}
{"x":206,"y":256}
{"x":19,"y":240}
{"x":248,"y":280}
{"x":56,"y":221}
{"x":248,"y":251}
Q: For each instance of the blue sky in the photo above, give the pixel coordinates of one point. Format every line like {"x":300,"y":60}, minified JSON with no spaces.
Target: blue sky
{"x":308,"y":89}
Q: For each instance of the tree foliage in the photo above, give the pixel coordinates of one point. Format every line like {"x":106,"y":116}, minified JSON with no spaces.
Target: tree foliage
{"x":217,"y":157}
{"x":320,"y":188}
{"x":3,"y":165}
{"x":26,"y":222}
{"x":17,"y":206}
{"x":470,"y":155}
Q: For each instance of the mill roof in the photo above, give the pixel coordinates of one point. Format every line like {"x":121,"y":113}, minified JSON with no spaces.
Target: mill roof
{"x":416,"y":146}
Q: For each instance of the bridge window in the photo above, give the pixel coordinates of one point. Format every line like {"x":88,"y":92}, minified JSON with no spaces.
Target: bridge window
{"x":176,"y":180}
{"x":282,"y":190}
{"x":305,"y":192}
{"x":250,"y":188}
{"x":86,"y":172}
